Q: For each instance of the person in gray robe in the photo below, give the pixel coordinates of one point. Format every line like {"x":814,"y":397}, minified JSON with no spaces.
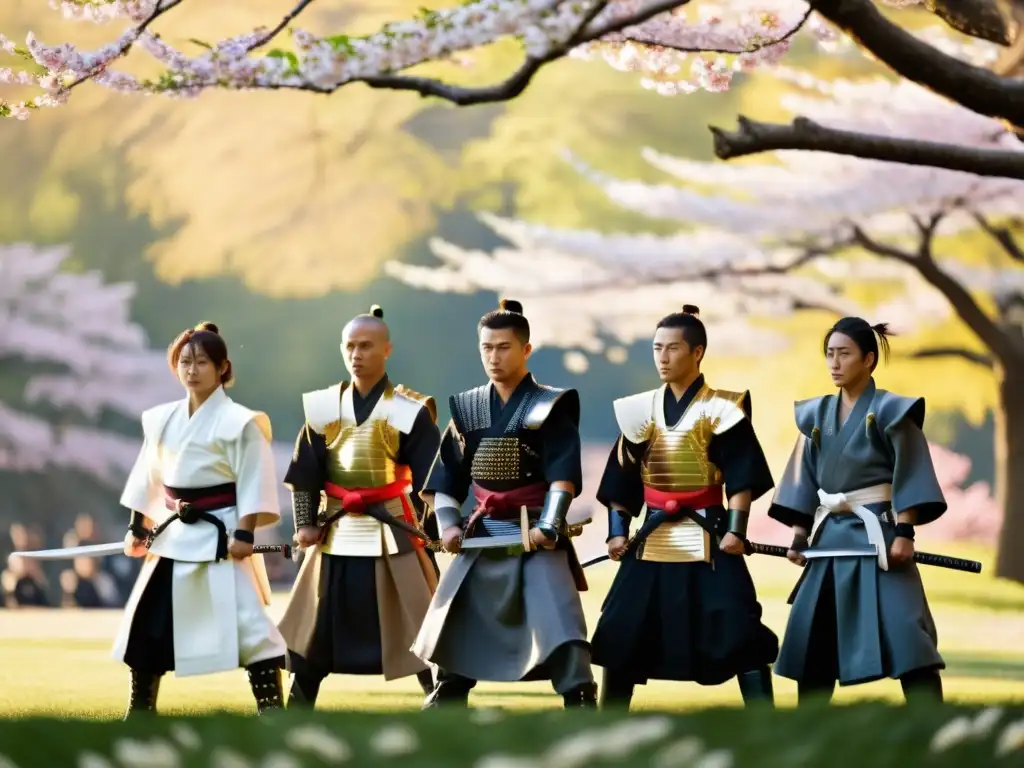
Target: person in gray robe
{"x":510,"y":613}
{"x":859,"y":480}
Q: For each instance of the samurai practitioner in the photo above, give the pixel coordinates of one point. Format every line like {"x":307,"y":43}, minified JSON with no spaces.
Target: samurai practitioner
{"x":859,"y":480}
{"x":511,"y":613}
{"x":204,"y":481}
{"x":364,"y":586}
{"x":682,"y":605}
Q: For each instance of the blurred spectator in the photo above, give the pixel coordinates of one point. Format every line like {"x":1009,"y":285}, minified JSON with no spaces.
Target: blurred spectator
{"x":24,"y":583}
{"x":85,"y":585}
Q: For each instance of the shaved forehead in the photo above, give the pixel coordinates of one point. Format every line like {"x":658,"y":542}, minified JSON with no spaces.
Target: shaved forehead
{"x":367,"y":324}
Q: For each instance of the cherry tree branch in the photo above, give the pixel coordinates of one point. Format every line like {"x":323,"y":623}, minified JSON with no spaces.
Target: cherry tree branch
{"x":975,"y":88}
{"x":518,"y":81}
{"x":753,"y":137}
{"x":978,"y":358}
{"x":158,"y":10}
{"x":1001,"y":235}
{"x":752,"y":48}
{"x":287,"y":19}
{"x":1002,"y":346}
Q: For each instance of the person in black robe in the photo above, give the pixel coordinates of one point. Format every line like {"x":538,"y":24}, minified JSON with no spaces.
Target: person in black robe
{"x":683,"y":605}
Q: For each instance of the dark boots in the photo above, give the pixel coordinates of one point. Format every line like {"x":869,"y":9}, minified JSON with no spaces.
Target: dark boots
{"x":756,"y":686}
{"x":922,"y":685}
{"x":426,"y":681}
{"x":265,"y":679}
{"x":144,"y":689}
{"x":581,"y":697}
{"x":616,"y":692}
{"x":304,"y":691}
{"x":450,"y":691}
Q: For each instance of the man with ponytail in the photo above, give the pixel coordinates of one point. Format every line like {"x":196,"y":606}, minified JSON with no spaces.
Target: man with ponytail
{"x":510,"y":613}
{"x":859,"y":480}
{"x":361,"y":457}
{"x":683,"y":605}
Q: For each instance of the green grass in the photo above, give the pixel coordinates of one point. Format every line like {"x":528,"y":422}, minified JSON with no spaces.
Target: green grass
{"x":850,"y":737}
{"x":57,"y":663}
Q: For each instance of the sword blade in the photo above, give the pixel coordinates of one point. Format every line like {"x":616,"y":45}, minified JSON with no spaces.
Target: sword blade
{"x":70,"y":553}
{"x":492,"y":542}
{"x":811,"y":554}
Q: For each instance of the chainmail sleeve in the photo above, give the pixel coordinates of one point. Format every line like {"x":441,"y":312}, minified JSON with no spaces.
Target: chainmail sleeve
{"x":304,"y":509}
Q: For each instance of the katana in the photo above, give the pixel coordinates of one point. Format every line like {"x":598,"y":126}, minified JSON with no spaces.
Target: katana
{"x":921,"y":558}
{"x":117,"y":548}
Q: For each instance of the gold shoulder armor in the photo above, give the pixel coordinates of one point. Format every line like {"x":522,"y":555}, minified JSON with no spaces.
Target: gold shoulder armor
{"x":323,"y":406}
{"x":635,"y":415}
{"x":425,"y":400}
{"x":728,"y":408}
{"x":405,"y":407}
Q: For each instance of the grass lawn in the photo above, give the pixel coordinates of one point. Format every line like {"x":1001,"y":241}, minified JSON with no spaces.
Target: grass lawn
{"x":57,"y":663}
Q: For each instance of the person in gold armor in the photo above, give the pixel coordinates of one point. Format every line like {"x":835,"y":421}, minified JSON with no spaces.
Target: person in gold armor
{"x":364,"y":587}
{"x":683,"y":605}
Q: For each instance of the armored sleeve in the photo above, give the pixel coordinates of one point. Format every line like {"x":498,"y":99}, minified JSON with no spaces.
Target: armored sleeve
{"x":306,"y":474}
{"x":621,"y":484}
{"x":561,"y":452}
{"x":449,"y":476}
{"x":417,"y":450}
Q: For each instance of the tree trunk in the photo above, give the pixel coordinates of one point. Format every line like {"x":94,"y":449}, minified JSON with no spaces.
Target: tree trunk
{"x":1010,"y":472}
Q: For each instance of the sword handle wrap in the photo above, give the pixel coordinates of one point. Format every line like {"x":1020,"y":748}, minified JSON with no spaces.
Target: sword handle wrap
{"x":944,"y":561}
{"x":137,"y":525}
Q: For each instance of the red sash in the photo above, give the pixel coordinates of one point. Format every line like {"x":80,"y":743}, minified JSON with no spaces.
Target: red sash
{"x":354,"y":500}
{"x":672,"y":501}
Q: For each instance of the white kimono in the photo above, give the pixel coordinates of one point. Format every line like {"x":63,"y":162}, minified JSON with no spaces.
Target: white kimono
{"x":220,"y":619}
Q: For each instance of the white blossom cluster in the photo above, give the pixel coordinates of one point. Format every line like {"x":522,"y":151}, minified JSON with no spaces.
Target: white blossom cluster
{"x":79,"y":329}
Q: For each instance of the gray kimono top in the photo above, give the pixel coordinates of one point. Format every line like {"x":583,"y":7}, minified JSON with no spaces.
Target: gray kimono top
{"x":881,"y":442}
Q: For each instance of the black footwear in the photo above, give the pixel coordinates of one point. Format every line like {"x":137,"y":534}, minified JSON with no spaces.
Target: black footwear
{"x":304,"y":691}
{"x":450,"y":691}
{"x":756,"y":686}
{"x":581,"y":697}
{"x":616,"y":691}
{"x":426,"y":681}
{"x":265,"y":679}
{"x":144,"y":689}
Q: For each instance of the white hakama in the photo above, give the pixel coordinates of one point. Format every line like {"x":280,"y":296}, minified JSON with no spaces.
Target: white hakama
{"x":219,"y":615}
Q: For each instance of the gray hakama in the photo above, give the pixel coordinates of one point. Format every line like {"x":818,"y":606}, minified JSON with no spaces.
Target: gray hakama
{"x":498,"y":615}
{"x":856,"y":618}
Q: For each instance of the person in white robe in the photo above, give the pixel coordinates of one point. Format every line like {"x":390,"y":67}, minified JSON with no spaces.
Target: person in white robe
{"x":203,"y":482}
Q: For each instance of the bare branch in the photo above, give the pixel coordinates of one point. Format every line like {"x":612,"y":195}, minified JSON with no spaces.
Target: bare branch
{"x":978,"y":358}
{"x":978,"y":18}
{"x":759,"y":45}
{"x":753,"y":137}
{"x":521,"y":78}
{"x":1001,"y":235}
{"x":973,"y":87}
{"x":1006,"y":351}
{"x":287,"y":19}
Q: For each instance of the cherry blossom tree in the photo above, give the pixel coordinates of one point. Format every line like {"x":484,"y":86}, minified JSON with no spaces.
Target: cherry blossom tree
{"x":68,"y":336}
{"x":760,"y":241}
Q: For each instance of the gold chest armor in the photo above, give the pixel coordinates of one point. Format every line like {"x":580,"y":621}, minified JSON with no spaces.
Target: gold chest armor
{"x":676,"y":460}
{"x":364,"y":456}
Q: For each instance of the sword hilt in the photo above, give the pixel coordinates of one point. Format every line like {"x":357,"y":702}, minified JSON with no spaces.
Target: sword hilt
{"x":945,"y":561}
{"x":272,"y":549}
